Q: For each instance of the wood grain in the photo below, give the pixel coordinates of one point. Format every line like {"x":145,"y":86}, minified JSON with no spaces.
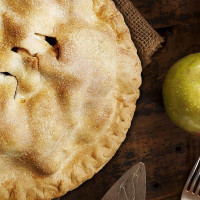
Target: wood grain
{"x":164,"y":13}
{"x":167,"y":151}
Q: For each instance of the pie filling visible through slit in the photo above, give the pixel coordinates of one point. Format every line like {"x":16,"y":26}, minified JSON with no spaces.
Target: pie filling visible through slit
{"x":69,"y":79}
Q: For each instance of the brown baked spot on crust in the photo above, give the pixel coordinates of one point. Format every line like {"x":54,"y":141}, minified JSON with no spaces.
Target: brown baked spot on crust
{"x":14,"y":32}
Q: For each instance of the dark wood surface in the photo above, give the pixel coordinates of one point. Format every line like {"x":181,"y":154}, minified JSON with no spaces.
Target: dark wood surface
{"x":167,"y":151}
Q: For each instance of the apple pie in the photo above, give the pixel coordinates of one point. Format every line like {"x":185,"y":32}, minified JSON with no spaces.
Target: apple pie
{"x":69,"y":79}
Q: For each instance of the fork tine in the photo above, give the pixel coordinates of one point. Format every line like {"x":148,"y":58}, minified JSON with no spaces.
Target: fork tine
{"x":191,"y":174}
{"x":195,"y":180}
{"x":198,"y":189}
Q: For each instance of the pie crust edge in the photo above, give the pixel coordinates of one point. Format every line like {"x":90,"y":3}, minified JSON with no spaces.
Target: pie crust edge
{"x":111,"y":141}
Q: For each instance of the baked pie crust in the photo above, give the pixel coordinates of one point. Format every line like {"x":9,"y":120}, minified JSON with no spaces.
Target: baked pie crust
{"x":68,"y":87}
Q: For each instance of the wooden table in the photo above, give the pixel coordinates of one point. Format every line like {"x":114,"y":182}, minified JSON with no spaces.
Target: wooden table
{"x":167,"y":151}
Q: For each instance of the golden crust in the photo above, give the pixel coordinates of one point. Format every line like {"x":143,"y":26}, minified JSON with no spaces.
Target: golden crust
{"x":67,"y":107}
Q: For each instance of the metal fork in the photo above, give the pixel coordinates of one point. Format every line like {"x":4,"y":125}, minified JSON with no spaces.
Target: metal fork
{"x":191,"y":190}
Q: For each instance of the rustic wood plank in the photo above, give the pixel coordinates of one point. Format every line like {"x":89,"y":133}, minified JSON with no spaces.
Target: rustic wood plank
{"x":168,"y":12}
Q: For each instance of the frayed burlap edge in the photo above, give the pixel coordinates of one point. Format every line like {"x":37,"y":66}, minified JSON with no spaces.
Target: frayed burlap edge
{"x":146,"y":39}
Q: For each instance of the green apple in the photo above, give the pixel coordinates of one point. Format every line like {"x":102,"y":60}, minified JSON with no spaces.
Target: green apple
{"x":181,"y":93}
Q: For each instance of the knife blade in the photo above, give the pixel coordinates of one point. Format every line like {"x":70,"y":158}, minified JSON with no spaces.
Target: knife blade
{"x":131,"y":186}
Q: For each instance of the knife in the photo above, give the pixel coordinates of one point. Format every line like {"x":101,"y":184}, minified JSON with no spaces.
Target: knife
{"x":131,"y":186}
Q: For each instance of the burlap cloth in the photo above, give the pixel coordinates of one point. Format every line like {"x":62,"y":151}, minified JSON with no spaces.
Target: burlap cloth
{"x":146,"y":39}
